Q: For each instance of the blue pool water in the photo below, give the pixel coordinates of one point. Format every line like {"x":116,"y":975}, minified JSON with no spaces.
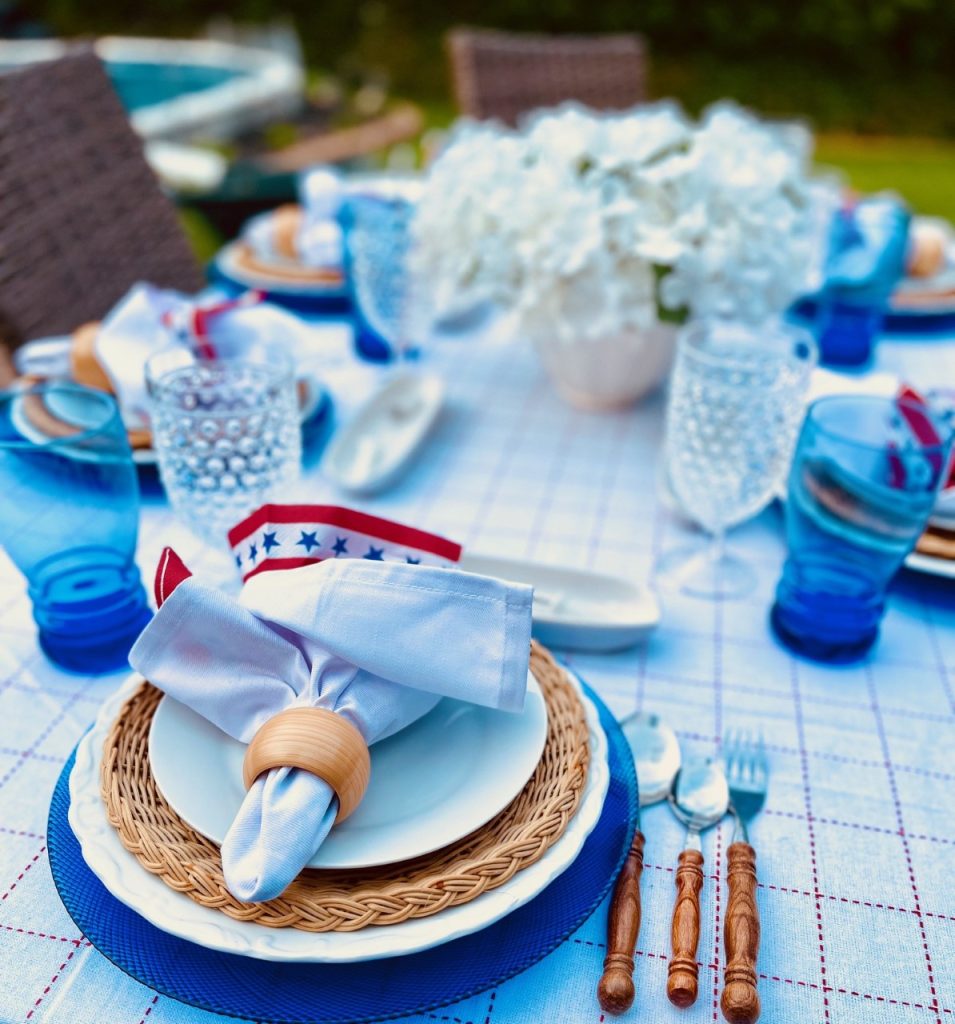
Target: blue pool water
{"x":142,"y":84}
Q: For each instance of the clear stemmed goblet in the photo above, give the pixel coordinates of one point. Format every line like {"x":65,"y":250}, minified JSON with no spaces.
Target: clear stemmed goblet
{"x":737,"y":398}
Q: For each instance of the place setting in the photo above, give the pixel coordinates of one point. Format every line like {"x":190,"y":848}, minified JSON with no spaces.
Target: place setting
{"x":442,"y":835}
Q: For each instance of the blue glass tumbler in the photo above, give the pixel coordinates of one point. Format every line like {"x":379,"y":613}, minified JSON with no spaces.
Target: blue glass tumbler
{"x":69,"y":515}
{"x":376,"y":218}
{"x":861,"y":489}
{"x":865,"y":260}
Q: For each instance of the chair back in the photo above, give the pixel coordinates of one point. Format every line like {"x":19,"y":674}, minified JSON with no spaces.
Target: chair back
{"x":82,"y":216}
{"x":503,"y":75}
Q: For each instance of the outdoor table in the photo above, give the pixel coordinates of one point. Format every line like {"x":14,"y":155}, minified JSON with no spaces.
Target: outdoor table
{"x":855,"y":843}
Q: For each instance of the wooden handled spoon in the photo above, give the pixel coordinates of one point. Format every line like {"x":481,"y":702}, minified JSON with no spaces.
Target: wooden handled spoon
{"x":656,"y":756}
{"x":699,"y":798}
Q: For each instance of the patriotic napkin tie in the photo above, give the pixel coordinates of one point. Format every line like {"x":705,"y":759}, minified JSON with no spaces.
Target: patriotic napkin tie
{"x":378,"y":637}
{"x":149,"y":319}
{"x":916,"y":411}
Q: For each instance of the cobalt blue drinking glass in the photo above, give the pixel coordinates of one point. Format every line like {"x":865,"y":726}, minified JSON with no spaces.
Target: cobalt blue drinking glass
{"x":376,"y":218}
{"x":69,"y":515}
{"x":861,"y":490}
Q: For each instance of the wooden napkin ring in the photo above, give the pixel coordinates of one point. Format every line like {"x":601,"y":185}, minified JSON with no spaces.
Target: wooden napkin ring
{"x":84,"y":365}
{"x":321,"y":742}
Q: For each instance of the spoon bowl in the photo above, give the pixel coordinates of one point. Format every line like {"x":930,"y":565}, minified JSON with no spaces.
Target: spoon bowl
{"x":700,"y":794}
{"x":656,"y":753}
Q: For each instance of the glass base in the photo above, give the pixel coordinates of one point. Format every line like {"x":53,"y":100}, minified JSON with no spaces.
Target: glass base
{"x":847,"y":333}
{"x":818,"y":648}
{"x":699,"y":572}
{"x":90,"y":608}
{"x":825,"y":611}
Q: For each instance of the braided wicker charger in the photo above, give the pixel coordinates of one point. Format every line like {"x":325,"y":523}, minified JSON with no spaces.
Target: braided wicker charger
{"x":323,"y":901}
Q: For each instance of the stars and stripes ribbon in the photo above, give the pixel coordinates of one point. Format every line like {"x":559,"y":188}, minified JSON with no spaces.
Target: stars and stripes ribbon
{"x":289,"y":536}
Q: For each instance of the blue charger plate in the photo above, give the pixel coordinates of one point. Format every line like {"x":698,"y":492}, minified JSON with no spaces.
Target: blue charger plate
{"x":353,"y":993}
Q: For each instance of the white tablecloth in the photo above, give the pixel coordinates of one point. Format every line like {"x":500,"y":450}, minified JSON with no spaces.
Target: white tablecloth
{"x":855,"y":845}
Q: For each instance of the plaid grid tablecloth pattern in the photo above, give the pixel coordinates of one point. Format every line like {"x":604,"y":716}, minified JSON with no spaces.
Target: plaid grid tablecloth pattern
{"x":855,"y":845}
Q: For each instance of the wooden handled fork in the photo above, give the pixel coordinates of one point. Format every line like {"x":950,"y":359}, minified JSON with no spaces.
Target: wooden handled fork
{"x":748,"y":776}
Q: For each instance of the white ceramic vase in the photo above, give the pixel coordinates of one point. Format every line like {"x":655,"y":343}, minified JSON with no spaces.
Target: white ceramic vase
{"x":610,"y":372}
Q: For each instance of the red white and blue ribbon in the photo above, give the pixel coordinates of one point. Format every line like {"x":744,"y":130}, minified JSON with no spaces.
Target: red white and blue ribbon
{"x":290,"y":536}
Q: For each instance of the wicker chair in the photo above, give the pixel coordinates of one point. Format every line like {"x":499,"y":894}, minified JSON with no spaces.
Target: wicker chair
{"x":500,"y":75}
{"x":82,"y":217}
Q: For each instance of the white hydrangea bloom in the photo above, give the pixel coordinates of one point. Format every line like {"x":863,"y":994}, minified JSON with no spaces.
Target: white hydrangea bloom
{"x":590,"y":223}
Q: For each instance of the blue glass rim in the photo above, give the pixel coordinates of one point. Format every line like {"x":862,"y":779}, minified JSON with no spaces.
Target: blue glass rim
{"x":889,"y":404}
{"x":360,"y":992}
{"x":112,"y":426}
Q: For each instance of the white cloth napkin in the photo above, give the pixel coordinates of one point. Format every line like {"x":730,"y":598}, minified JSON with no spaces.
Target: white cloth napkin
{"x":377,"y":642}
{"x":149,"y":319}
{"x":318,"y":240}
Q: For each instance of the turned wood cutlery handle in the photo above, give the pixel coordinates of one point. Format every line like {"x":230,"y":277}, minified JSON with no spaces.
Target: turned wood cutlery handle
{"x":685,"y":931}
{"x":740,"y":1000}
{"x":615,"y":990}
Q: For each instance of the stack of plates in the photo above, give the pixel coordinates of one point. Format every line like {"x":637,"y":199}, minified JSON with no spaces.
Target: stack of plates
{"x":285,"y":282}
{"x":442,"y":779}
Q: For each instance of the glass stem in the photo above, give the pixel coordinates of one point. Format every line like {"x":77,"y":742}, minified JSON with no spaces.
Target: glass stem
{"x":717,"y":546}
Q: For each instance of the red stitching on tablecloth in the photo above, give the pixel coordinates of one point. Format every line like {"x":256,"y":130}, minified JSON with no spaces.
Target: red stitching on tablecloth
{"x":550,"y":488}
{"x":511,"y":441}
{"x":50,"y":726}
{"x":893,"y":789}
{"x":8,"y":681}
{"x":46,"y":991}
{"x":809,"y":699}
{"x":608,"y":481}
{"x":44,"y":935}
{"x":19,"y":877}
{"x":54,"y":692}
{"x":860,"y":826}
{"x":927,"y":616}
{"x":807,"y":797}
{"x":449,"y":443}
{"x":795,"y":982}
{"x":718,"y":729}
{"x":717,"y":930}
{"x":20,"y":832}
{"x":13,"y":752}
{"x":149,"y":1009}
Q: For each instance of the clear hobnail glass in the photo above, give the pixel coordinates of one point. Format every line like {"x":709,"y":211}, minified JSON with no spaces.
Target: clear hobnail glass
{"x":227,"y":434}
{"x":737,"y":398}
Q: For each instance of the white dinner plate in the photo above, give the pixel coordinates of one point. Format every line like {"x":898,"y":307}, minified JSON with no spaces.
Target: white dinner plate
{"x":576,"y":609}
{"x":944,"y":567}
{"x":176,"y":913}
{"x":431,"y":784}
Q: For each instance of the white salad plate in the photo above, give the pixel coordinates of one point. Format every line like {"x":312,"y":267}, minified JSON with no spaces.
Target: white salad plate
{"x":431,"y":784}
{"x":576,"y":609}
{"x":373,"y":448}
{"x":175,"y":913}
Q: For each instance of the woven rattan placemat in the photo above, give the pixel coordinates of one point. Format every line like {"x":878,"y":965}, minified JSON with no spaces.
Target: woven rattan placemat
{"x":322,"y":901}
{"x":246,"y":259}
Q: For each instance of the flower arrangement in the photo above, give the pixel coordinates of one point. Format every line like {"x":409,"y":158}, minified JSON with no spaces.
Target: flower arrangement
{"x":589,"y":224}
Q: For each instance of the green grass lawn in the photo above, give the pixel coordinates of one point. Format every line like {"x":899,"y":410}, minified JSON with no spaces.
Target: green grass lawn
{"x":921,"y":170}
